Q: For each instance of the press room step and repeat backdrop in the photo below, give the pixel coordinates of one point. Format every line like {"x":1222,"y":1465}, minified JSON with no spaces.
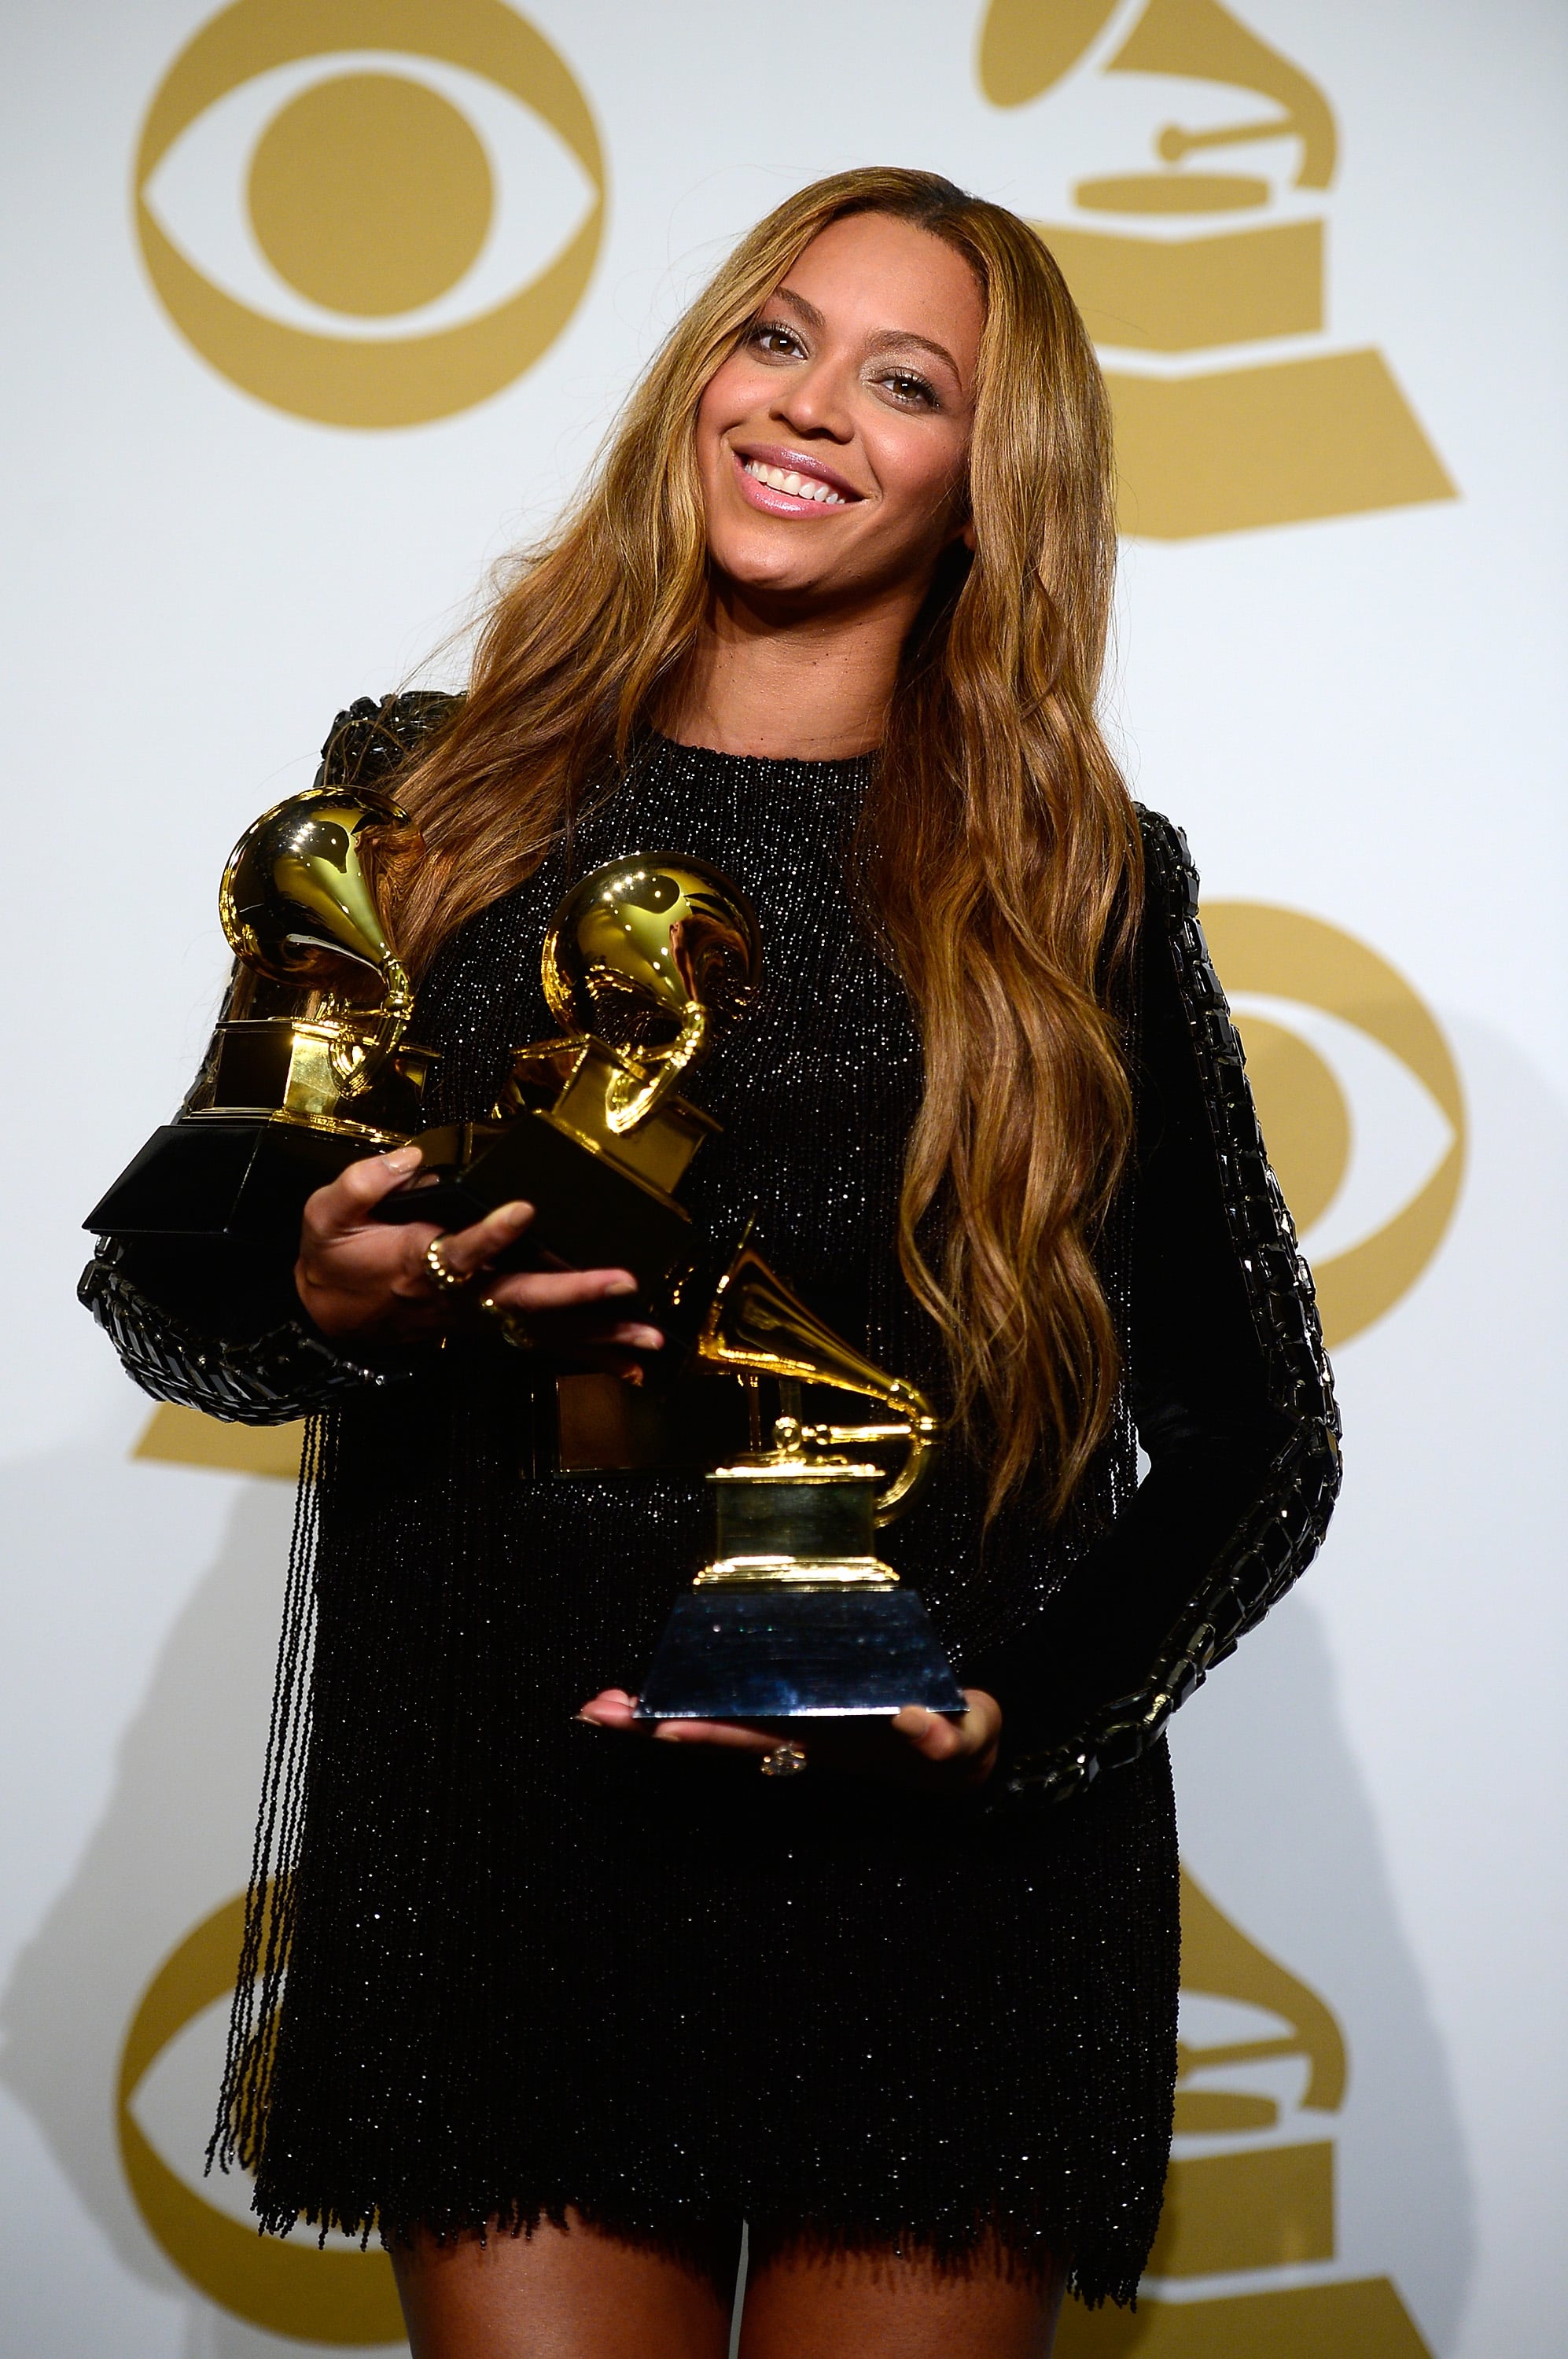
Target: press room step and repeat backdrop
{"x":316,"y":306}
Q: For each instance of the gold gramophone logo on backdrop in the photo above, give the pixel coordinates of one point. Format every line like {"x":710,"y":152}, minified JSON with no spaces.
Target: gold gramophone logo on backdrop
{"x":336,"y":201}
{"x":1261,"y":2072}
{"x":1176,"y":261}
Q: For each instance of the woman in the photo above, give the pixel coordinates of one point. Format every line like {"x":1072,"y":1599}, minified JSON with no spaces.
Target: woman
{"x":566,"y":2005}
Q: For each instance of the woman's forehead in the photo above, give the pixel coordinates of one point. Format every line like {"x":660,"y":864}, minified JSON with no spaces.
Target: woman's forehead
{"x":888,"y":281}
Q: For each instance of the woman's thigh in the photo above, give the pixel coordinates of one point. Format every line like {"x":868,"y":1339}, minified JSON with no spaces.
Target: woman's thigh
{"x":800,"y":2305}
{"x":560,"y":2293}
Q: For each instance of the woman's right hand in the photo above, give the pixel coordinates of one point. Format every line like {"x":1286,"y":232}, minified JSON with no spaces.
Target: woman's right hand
{"x":370,"y":1280}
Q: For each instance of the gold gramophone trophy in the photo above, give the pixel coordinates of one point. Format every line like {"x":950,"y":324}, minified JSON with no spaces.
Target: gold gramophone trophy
{"x":646,"y":962}
{"x":309,"y":1067}
{"x":795,"y":1616}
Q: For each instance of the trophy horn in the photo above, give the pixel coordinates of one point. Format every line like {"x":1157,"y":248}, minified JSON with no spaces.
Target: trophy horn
{"x":757,"y":1326}
{"x":295,"y":899}
{"x":656,"y":954}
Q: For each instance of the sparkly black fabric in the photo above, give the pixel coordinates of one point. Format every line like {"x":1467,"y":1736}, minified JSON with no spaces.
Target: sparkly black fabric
{"x":533,"y":1966}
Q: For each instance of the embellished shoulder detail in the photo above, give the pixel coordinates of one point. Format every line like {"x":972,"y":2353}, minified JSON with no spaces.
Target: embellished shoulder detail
{"x":376,"y":735}
{"x":269,"y":1380}
{"x":1284,"y":1527}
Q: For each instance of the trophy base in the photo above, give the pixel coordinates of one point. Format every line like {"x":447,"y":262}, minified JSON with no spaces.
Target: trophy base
{"x":206,"y":1219}
{"x":282,"y":1066}
{"x":757,"y":1651}
{"x":589,"y":1213}
{"x":241,"y":1178}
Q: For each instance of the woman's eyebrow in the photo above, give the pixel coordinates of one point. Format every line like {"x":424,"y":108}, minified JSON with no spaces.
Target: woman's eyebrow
{"x":807,"y":311}
{"x":886,"y":340}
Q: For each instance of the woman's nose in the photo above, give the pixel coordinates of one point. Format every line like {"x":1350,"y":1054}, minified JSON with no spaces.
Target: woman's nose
{"x":816,"y":402}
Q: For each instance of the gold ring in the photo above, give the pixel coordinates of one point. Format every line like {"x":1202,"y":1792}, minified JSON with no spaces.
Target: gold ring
{"x":512,"y":1327}
{"x":437,"y":1267}
{"x":784,"y":1761}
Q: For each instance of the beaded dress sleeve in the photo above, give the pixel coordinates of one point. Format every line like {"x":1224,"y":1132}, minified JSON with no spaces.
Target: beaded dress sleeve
{"x":245,"y":1351}
{"x":1229,"y":1385}
{"x":285,"y":1371}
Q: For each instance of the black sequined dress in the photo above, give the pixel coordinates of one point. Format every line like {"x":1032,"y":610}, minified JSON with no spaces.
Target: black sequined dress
{"x":533,"y":1966}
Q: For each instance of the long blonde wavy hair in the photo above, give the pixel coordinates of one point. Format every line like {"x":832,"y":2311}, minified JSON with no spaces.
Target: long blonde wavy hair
{"x":1004,"y":865}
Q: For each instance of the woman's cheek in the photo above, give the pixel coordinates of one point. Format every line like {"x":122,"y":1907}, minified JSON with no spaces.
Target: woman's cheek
{"x":917,"y":495}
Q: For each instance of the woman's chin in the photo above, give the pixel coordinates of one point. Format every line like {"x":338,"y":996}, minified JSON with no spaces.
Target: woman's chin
{"x":784,"y":578}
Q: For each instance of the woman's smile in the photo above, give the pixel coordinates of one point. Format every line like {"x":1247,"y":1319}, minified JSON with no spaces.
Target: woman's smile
{"x":788,"y":483}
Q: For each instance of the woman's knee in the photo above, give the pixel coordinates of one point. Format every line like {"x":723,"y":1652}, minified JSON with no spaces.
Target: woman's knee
{"x":805,"y":2304}
{"x":571,"y":2292}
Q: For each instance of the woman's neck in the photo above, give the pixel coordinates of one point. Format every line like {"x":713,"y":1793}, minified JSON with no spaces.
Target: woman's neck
{"x":792,"y":687}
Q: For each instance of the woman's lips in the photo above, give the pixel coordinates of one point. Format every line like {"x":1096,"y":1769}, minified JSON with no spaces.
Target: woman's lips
{"x":818,"y":492}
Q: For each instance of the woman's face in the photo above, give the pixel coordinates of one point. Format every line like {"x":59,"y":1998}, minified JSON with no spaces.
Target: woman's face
{"x":833,"y":443}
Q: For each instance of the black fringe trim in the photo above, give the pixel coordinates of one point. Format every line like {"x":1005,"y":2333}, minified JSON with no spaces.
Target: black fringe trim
{"x":270,"y":1902}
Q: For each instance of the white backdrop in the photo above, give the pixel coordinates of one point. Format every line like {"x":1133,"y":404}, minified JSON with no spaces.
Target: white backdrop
{"x":1352,"y":707}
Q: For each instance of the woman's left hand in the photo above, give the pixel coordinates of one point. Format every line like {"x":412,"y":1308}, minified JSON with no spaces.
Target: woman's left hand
{"x":926,"y":1750}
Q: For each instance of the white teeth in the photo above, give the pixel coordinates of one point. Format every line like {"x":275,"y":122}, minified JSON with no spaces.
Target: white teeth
{"x":799,"y":487}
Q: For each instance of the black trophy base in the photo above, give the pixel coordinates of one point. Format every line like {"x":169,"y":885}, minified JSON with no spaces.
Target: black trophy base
{"x":588,"y":1212}
{"x":240,"y":1177}
{"x":206,"y":1219}
{"x":760,"y":1651}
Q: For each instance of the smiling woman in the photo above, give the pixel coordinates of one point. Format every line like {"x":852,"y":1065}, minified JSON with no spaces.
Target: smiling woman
{"x":558,"y":1999}
{"x":881,"y":416}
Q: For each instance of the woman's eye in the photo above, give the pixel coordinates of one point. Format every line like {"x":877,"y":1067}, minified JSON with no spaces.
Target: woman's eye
{"x":912,"y":391}
{"x":771,"y":336}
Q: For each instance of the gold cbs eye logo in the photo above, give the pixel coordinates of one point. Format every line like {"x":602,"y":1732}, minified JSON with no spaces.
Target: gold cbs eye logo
{"x":1358,"y":1096}
{"x":334,"y":286}
{"x":332,"y":2293}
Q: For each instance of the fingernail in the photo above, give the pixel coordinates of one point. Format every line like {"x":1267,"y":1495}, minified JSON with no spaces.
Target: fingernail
{"x":621,"y":1284}
{"x":517,"y":1211}
{"x":402,"y":1158}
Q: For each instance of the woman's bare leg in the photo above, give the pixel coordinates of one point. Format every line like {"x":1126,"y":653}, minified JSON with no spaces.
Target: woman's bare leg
{"x":571,"y":2293}
{"x":883,"y":2306}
